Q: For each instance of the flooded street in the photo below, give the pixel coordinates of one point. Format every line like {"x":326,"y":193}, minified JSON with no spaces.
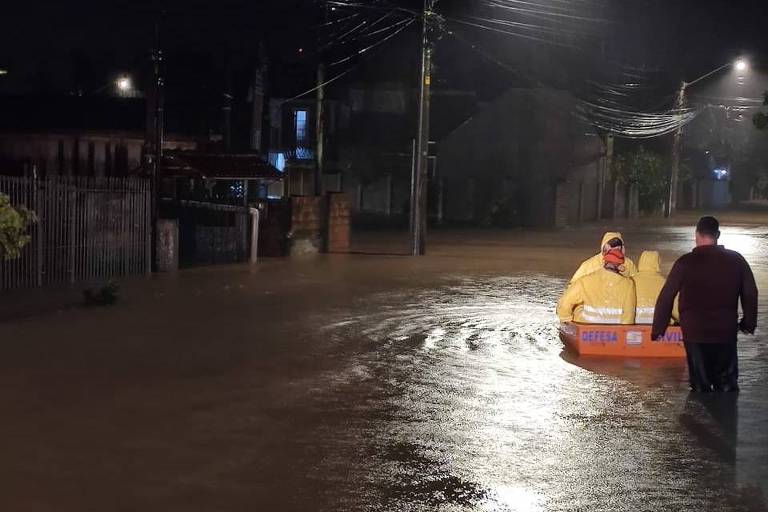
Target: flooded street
{"x":373,"y":382}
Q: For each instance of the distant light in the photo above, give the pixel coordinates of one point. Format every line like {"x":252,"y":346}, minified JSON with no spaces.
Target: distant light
{"x":277,"y":160}
{"x":720,"y":174}
{"x":3,"y":71}
{"x":301,"y":50}
{"x":741,"y":65}
{"x":124,"y":84}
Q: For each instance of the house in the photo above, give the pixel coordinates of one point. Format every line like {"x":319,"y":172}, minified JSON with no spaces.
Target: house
{"x":523,"y":160}
{"x":369,"y":132}
{"x":293,"y":145}
{"x":217,"y":177}
{"x":76,"y":136}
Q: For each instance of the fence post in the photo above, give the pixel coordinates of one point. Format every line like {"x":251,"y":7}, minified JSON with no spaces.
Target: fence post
{"x":255,"y":214}
{"x":148,"y":227}
{"x":38,"y":231}
{"x":71,"y":191}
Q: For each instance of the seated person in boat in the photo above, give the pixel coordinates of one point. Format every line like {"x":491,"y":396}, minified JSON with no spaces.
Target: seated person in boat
{"x":648,"y":284}
{"x":595,"y":263}
{"x":601,"y":297}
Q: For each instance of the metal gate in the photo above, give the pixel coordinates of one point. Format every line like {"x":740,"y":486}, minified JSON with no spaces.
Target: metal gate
{"x":210,"y":233}
{"x":88,"y":229}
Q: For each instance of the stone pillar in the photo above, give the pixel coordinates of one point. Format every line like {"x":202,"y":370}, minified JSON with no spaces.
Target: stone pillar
{"x":307,"y":222}
{"x":167,"y":245}
{"x":338,"y":225}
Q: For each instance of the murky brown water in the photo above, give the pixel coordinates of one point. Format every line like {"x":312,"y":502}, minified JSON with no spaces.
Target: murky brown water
{"x":371,"y":383}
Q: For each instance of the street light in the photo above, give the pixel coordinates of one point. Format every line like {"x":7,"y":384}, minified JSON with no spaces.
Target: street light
{"x":741,"y":65}
{"x":124,"y":84}
{"x":3,"y":72}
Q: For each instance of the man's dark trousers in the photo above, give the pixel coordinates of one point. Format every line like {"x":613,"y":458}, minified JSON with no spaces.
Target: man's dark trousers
{"x":712,"y":366}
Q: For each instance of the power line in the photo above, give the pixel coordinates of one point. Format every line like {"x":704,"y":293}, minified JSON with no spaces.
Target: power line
{"x":346,"y":72}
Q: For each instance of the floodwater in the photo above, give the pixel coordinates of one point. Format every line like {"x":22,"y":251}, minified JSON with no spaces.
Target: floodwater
{"x":372,"y":382}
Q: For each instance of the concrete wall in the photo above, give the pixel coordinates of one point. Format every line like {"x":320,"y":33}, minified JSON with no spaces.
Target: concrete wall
{"x":388,"y":195}
{"x":577,"y":196}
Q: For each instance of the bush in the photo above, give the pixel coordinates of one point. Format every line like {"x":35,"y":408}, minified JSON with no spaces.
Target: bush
{"x":14,"y":223}
{"x":648,"y":171}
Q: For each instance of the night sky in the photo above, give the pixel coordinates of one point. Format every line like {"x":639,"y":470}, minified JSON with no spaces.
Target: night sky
{"x":81,"y":45}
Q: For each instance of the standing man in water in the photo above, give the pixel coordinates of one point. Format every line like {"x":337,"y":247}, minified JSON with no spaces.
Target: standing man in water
{"x":710,"y":280}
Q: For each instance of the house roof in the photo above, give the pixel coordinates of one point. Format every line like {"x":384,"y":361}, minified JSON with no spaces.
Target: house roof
{"x":194,"y":164}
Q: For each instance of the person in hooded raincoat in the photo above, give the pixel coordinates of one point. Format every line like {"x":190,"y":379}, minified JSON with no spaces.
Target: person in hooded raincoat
{"x":648,"y":284}
{"x":601,"y":297}
{"x":595,"y":263}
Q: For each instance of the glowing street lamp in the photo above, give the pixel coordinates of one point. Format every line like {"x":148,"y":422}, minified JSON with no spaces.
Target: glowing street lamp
{"x":741,"y":65}
{"x":124,"y":84}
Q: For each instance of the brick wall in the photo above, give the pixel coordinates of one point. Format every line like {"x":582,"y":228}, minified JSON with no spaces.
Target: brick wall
{"x":307,"y":225}
{"x":338,"y":223}
{"x":273,"y":228}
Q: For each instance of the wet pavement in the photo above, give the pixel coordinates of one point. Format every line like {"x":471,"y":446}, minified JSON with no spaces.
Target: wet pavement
{"x":372,"y":382}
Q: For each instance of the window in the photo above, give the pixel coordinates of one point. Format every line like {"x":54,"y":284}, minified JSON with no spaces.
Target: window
{"x":300,"y":124}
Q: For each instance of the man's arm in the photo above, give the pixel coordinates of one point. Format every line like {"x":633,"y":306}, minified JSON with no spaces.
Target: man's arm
{"x":663,"y":310}
{"x":748,"y":300}
{"x":568,"y":302}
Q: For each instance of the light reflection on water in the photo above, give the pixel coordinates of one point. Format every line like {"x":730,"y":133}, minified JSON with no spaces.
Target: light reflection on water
{"x":474,"y":381}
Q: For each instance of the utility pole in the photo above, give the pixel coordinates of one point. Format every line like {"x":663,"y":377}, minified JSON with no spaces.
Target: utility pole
{"x":157,"y":59}
{"x":674,"y":177}
{"x":605,"y":172}
{"x":320,"y":129}
{"x":420,"y":214}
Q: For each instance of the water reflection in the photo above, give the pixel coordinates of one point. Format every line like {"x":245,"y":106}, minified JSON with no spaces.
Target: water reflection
{"x":646,"y":372}
{"x":490,"y":413}
{"x":713,"y":419}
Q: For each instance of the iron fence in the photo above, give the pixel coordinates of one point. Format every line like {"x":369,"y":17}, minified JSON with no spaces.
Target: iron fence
{"x":88,"y":229}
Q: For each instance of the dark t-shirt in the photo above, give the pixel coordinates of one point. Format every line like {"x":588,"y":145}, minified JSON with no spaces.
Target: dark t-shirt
{"x":710,"y":281}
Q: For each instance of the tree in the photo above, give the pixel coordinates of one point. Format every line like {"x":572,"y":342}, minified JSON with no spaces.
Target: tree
{"x":14,"y":223}
{"x":761,"y":118}
{"x":647,"y":171}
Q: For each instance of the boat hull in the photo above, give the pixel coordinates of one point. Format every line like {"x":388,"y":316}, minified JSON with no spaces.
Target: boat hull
{"x":621,"y":340}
